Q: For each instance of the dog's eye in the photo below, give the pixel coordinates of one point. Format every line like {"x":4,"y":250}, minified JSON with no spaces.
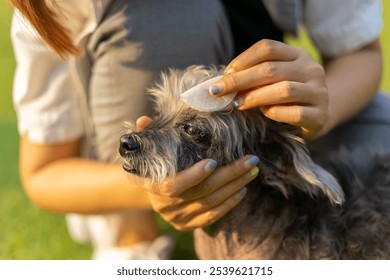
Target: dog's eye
{"x":194,"y":131}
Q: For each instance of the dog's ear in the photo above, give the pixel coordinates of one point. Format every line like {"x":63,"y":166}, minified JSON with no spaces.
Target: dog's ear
{"x":286,"y":164}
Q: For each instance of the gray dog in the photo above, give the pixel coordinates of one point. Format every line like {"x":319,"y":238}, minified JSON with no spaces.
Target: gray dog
{"x":294,"y":209}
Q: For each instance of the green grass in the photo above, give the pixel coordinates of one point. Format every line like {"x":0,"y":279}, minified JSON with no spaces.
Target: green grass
{"x":7,"y":65}
{"x":26,"y":232}
{"x":29,"y":233}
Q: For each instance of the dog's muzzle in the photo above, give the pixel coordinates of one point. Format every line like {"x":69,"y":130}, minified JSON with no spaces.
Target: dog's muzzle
{"x":128,"y":145}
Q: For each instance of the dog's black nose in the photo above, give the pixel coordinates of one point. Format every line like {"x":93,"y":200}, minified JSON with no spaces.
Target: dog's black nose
{"x":127,"y":145}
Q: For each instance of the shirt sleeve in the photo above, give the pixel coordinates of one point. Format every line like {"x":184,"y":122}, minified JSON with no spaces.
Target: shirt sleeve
{"x":44,"y":94}
{"x":338,"y":27}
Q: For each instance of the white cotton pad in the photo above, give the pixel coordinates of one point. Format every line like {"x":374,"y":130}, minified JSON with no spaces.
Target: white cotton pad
{"x":199,"y":98}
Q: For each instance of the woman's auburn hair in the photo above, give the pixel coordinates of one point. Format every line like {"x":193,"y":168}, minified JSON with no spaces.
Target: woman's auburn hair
{"x":43,"y":19}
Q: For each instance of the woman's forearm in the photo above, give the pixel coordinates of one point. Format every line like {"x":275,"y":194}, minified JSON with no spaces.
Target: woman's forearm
{"x":56,"y":179}
{"x":85,"y":186}
{"x":352,"y":81}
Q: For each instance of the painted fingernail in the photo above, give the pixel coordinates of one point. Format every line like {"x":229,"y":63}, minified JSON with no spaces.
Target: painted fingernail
{"x":242,"y":192}
{"x":211,"y":165}
{"x":228,"y":71}
{"x":216,"y":88}
{"x":252,"y":161}
{"x":237,"y":102}
{"x":254,"y":171}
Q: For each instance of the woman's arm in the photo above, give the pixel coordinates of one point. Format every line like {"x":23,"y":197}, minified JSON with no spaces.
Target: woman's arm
{"x":352,"y":80}
{"x":56,"y":179}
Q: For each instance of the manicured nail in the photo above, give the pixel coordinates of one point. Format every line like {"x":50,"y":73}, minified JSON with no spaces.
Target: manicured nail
{"x":242,"y":192}
{"x":237,"y":102}
{"x":252,"y":161}
{"x":228,"y":71}
{"x":254,"y":171}
{"x":216,"y":88}
{"x":210,"y":166}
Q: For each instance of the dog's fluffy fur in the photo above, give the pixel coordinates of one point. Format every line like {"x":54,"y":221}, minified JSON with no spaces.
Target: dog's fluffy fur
{"x":294,"y":209}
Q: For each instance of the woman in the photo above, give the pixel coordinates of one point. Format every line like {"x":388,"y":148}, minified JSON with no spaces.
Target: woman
{"x":82,"y":70}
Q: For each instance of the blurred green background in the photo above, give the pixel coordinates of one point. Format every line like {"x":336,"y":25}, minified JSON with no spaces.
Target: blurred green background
{"x":29,"y":233}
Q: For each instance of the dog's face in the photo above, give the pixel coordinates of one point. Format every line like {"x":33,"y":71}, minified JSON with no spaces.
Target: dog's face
{"x":181,"y":136}
{"x":173,"y":143}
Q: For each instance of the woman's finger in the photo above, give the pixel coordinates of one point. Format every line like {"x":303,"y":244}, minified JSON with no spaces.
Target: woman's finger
{"x":196,"y":174}
{"x":212,"y":201}
{"x":143,"y":122}
{"x":186,"y":179}
{"x":310,"y":119}
{"x":265,"y":73}
{"x":202,"y":204}
{"x":279,"y":93}
{"x":293,"y":114}
{"x":264,"y":50}
{"x":211,"y":216}
{"x":221,"y":177}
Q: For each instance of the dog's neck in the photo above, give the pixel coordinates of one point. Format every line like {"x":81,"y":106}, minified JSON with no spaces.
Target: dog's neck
{"x":259,"y":228}
{"x":250,"y":231}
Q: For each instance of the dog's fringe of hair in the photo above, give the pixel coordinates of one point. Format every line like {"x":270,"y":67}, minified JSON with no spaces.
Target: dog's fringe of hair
{"x":173,"y":82}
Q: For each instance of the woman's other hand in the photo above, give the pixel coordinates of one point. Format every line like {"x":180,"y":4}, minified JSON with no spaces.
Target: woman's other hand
{"x":283,"y":81}
{"x":202,"y":194}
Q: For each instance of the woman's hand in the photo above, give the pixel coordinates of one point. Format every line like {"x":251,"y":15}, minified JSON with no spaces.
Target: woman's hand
{"x":202,"y":194}
{"x":283,"y":81}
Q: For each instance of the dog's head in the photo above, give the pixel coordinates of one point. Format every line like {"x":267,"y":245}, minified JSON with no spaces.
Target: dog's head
{"x":181,"y":136}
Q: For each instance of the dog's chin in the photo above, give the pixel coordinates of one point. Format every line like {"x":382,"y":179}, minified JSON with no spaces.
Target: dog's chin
{"x":130,"y":169}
